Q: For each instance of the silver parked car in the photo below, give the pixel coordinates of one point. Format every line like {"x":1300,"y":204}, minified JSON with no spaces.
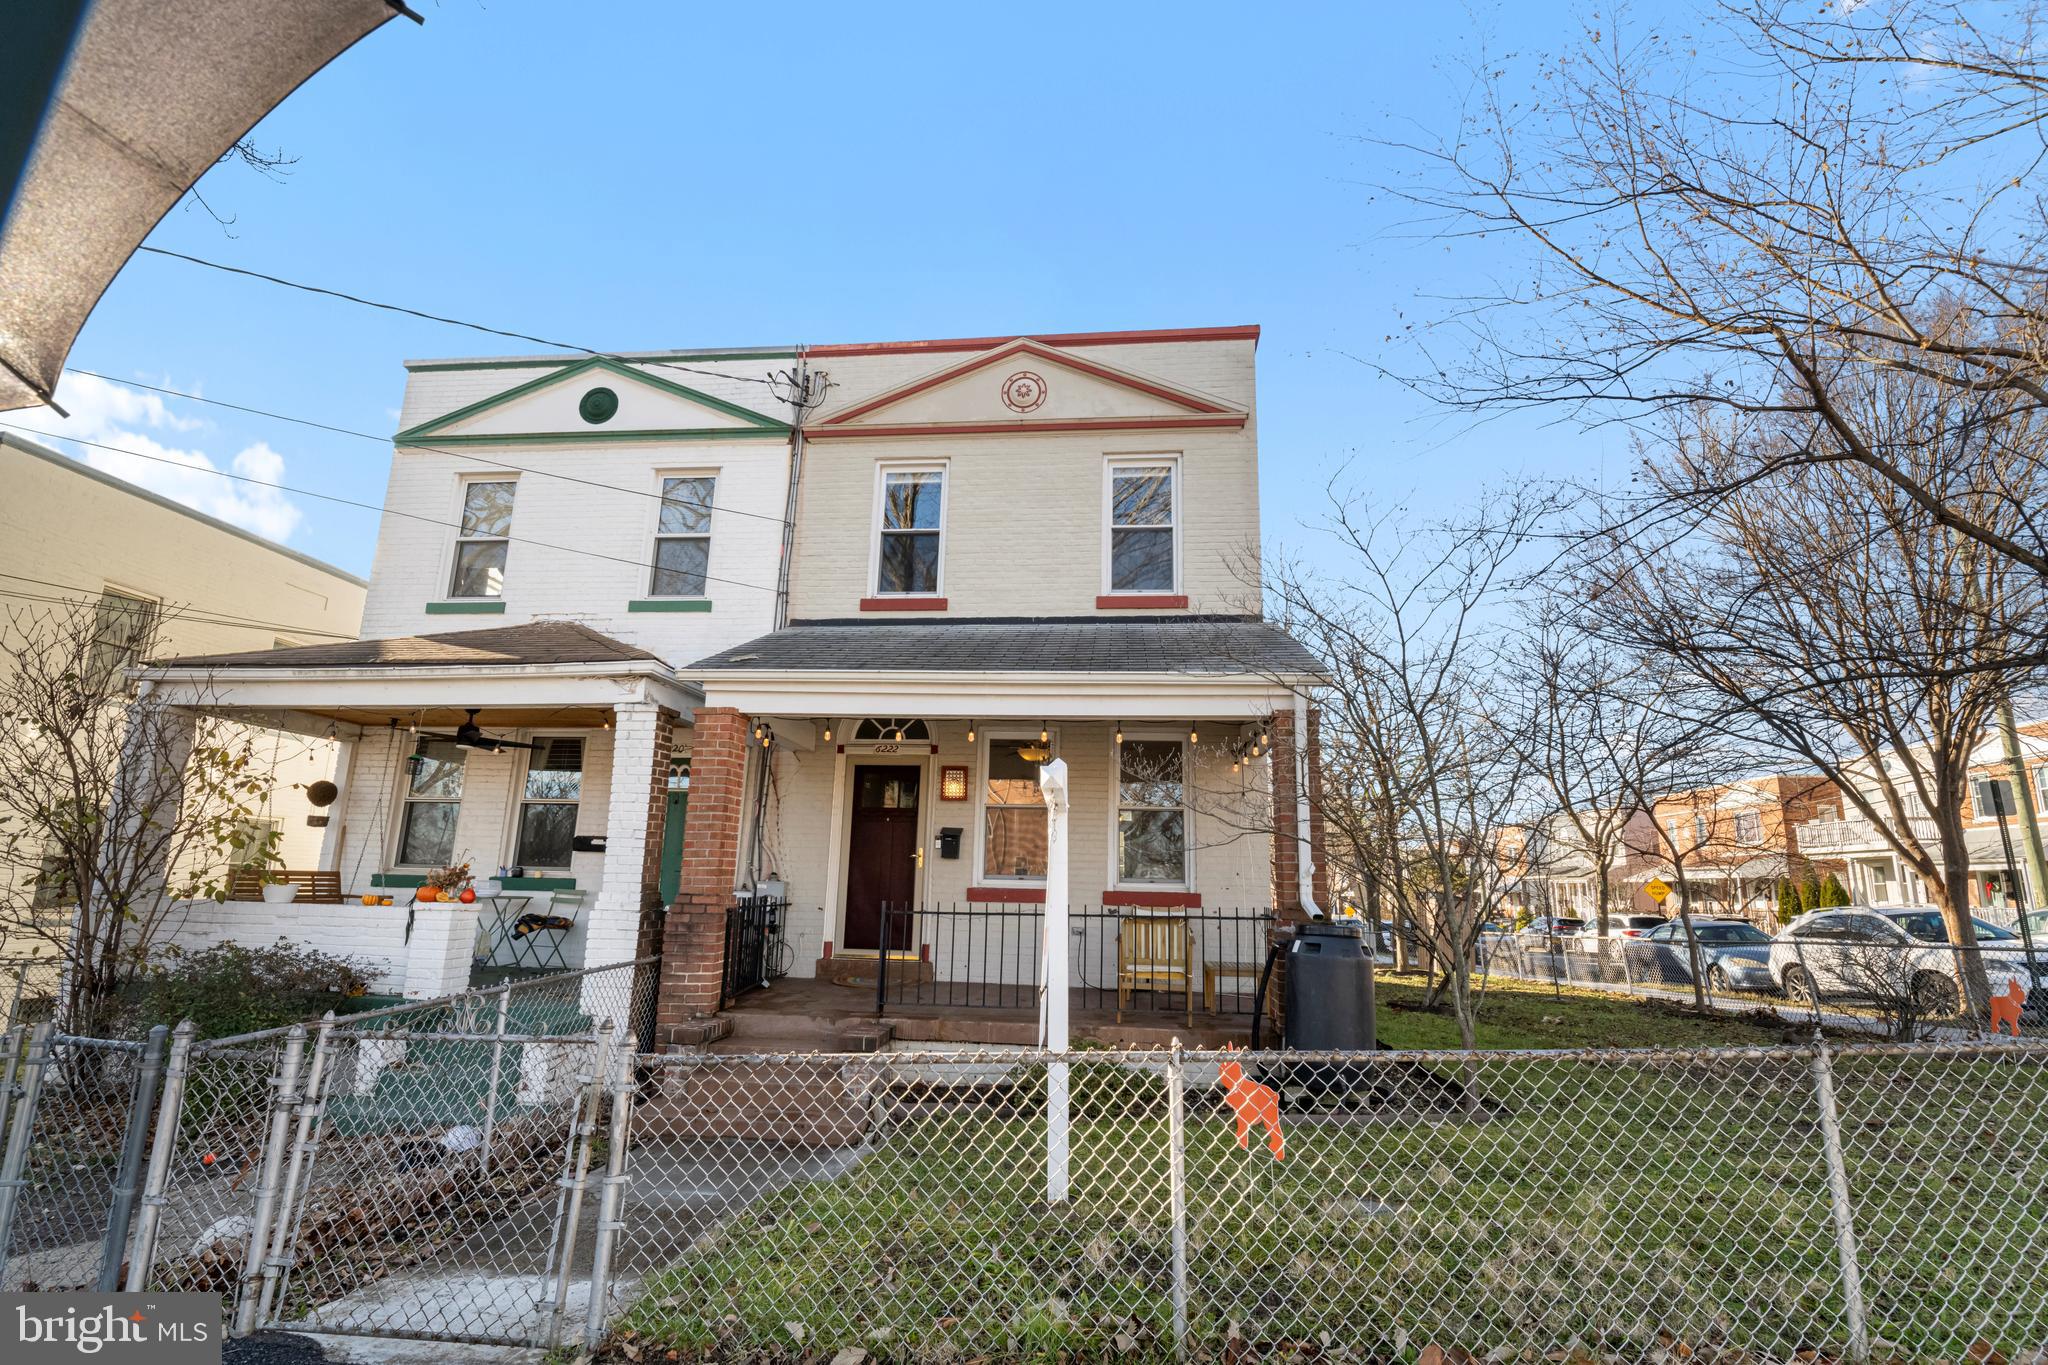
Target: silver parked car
{"x":1858,"y":952}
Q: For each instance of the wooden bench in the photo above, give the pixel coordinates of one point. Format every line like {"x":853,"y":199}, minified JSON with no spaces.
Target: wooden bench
{"x":1213,"y":973}
{"x":315,"y":886}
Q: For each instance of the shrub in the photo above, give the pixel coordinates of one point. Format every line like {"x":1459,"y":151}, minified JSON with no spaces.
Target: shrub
{"x":1789,"y":908}
{"x":1832,"y":892}
{"x":229,"y":989}
{"x":1809,"y":892}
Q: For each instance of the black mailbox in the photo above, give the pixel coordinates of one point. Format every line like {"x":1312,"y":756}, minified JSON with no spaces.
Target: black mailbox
{"x":949,"y":842}
{"x":586,"y":843}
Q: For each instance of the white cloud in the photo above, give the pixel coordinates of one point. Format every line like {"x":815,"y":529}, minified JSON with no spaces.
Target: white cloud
{"x":114,"y":415}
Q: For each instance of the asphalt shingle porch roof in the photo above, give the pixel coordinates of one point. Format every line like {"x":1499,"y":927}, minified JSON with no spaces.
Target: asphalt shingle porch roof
{"x":537,"y":642}
{"x":1213,"y":645}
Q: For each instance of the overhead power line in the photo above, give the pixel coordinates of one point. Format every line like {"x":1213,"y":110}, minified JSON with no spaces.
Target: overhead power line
{"x":198,"y":615}
{"x":432,"y":450}
{"x":378,"y":507}
{"x":451,"y":322}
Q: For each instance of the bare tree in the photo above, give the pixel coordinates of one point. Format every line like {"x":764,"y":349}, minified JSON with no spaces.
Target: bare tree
{"x":1411,"y":625}
{"x":1753,"y":213}
{"x":1847,"y":626}
{"x":112,"y":807}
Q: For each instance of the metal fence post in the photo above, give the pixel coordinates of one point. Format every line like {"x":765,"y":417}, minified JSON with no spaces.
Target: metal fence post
{"x":11,"y":1044}
{"x":610,"y":1202}
{"x":1177,"y":1193}
{"x":284,"y":1084}
{"x":1838,"y":1202}
{"x":497,"y":1071}
{"x":128,"y":1172}
{"x":15,"y":1162}
{"x":579,"y":1176}
{"x":305,"y":1142}
{"x":156,"y":1181}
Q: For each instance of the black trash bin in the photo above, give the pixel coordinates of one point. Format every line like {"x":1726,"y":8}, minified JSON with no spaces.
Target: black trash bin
{"x":1329,"y":989}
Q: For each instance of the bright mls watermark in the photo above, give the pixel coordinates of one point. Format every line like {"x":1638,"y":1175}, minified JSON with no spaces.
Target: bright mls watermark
{"x":120,"y":1329}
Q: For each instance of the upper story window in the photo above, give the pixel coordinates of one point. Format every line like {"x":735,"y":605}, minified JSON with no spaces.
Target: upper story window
{"x":123,"y":627}
{"x":1144,"y":526}
{"x":482,"y":540}
{"x":433,"y":804}
{"x":547,"y":812}
{"x":682,"y":536}
{"x":912,"y":529}
{"x":2041,"y":786}
{"x":1749,"y":827}
{"x":1989,"y":793}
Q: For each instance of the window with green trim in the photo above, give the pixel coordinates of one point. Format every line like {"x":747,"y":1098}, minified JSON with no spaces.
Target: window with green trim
{"x":682,"y":536}
{"x":547,"y":815}
{"x":484,"y":538}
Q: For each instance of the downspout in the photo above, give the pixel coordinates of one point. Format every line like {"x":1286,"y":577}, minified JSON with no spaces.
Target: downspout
{"x":1305,"y":861}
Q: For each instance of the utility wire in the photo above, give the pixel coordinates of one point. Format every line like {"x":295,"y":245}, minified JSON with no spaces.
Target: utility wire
{"x":217,"y":615}
{"x":352,"y":502}
{"x":432,"y":450}
{"x":452,"y":322}
{"x":196,"y":618}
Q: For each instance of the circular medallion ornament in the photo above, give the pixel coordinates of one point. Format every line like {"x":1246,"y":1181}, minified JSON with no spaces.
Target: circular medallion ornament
{"x":1023,"y":392}
{"x":598,"y":406}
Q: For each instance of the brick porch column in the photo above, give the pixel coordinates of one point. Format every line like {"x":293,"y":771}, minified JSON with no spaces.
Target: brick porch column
{"x":693,"y":951}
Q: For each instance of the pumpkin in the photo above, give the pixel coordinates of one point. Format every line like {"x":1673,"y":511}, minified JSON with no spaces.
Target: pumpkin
{"x":387,"y":901}
{"x":428,"y":894}
{"x":369,"y":900}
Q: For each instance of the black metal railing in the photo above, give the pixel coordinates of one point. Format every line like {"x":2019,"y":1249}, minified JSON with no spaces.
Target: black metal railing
{"x":1138,"y":961}
{"x":754,"y":953}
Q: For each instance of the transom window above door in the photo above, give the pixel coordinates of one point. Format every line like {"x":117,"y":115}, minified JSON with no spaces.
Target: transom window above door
{"x":880,"y":731}
{"x":912,"y":528}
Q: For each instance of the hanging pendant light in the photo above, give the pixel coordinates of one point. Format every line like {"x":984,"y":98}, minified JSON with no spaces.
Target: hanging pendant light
{"x":1194,"y":735}
{"x":1119,"y":732}
{"x":1044,"y":733}
{"x":970,"y":732}
{"x":828,"y":732}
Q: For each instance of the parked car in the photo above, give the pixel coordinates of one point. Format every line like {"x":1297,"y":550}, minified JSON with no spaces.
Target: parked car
{"x":1861,"y":952}
{"x":1624,"y":926}
{"x":1735,"y":955}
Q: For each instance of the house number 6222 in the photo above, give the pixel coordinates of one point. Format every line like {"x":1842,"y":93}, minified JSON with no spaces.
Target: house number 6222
{"x":887,"y":748}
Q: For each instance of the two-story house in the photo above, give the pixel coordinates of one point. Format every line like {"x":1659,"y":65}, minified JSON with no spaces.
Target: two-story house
{"x":609,"y":654}
{"x":1737,"y":842}
{"x":1877,"y":875}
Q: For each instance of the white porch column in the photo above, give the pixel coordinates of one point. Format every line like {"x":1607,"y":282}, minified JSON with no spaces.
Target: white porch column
{"x":613,"y":931}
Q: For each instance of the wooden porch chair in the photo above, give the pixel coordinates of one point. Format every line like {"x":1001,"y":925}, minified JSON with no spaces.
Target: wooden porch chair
{"x":1154,"y":953}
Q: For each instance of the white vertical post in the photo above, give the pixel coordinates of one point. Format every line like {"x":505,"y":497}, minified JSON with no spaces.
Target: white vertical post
{"x":1052,"y":781}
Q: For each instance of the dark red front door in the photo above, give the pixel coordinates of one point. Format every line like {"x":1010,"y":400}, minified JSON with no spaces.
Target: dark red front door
{"x":881,"y":858}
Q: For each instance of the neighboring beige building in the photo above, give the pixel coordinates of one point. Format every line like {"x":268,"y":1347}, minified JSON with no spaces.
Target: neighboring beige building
{"x":70,"y":534}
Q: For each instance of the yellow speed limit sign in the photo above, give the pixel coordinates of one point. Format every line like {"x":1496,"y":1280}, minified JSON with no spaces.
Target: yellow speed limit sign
{"x":1656,"y":889}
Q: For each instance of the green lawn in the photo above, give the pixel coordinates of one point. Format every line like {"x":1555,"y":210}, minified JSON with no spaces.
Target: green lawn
{"x":1595,"y":1202}
{"x":1527,"y":1014}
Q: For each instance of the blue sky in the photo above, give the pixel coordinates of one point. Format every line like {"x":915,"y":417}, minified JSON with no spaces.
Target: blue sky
{"x":661,"y":175}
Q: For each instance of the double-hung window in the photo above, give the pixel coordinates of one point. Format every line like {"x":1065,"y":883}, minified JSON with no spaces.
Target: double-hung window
{"x":433,"y":804}
{"x":1987,"y":794}
{"x":682,"y":536}
{"x":1143,"y":527}
{"x":1151,"y":814}
{"x":1749,"y":827}
{"x":547,"y":814}
{"x":907,"y":560}
{"x":482,"y":540}
{"x":1013,"y":832}
{"x":123,"y":629}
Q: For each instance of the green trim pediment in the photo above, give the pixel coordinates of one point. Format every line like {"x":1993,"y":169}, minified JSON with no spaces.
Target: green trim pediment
{"x":435,"y":429}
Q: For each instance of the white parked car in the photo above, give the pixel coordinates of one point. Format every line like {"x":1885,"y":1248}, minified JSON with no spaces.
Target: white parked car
{"x":1859,"y":952}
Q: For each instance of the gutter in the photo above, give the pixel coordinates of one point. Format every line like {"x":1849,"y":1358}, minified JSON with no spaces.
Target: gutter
{"x":1305,"y":867}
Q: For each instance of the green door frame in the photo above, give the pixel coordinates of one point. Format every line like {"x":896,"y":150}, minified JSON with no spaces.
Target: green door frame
{"x":673,"y":816}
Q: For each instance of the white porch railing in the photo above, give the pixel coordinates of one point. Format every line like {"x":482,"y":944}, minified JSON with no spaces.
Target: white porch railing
{"x":1855,"y":835}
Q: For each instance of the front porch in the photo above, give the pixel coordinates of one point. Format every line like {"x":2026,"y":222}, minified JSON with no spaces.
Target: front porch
{"x":552,"y":760}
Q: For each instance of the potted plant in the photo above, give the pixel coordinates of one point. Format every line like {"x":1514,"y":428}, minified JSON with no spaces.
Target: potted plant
{"x":278,"y":889}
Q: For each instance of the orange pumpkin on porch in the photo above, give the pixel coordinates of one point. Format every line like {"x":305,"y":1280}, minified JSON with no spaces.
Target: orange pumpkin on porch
{"x":428,"y":894}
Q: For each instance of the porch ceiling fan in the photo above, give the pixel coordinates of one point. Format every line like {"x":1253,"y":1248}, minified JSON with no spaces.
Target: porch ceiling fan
{"x":470,"y":735}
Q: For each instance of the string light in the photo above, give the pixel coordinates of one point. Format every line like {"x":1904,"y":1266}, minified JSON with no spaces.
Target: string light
{"x":1044,"y":733}
{"x":828,"y":732}
{"x":1194,"y":735}
{"x":970,"y":732}
{"x":1119,"y":732}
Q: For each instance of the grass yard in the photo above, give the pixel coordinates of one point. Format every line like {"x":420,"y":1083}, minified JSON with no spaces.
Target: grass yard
{"x":1528,"y":1014}
{"x":1583,"y":1206}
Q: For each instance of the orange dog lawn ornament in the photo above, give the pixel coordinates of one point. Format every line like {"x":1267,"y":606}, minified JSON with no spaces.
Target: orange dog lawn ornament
{"x":1252,"y":1103}
{"x":2005,"y":1008}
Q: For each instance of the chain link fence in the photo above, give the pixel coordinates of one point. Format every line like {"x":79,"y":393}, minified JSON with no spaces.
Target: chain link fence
{"x":424,"y":1177}
{"x":160,"y":1163}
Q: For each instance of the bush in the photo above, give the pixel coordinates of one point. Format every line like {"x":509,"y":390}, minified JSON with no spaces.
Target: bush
{"x":1832,"y":892}
{"x":229,"y":989}
{"x":1789,"y":908}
